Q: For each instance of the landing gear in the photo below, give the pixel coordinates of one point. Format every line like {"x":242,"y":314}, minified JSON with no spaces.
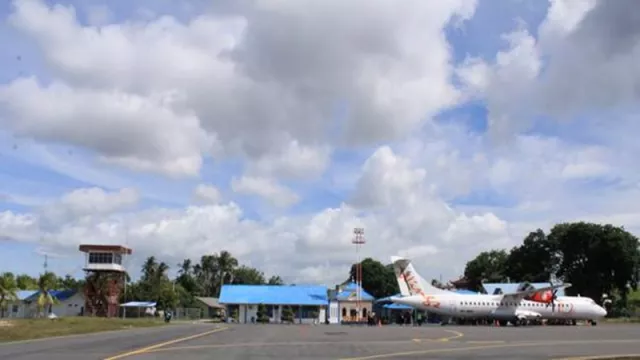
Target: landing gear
{"x":593,"y":323}
{"x":520,"y":322}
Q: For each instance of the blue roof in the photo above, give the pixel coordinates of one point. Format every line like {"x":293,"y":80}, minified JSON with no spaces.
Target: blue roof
{"x":394,"y":306}
{"x":273,"y":295}
{"x":60,"y":295}
{"x":348,"y":292}
{"x":513,"y":287}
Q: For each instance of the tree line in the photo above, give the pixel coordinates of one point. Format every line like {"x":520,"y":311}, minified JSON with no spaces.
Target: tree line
{"x":596,"y":259}
{"x":202,"y":279}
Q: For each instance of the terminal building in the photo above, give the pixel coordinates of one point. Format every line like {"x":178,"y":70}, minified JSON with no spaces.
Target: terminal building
{"x":344,"y":304}
{"x":309,"y":303}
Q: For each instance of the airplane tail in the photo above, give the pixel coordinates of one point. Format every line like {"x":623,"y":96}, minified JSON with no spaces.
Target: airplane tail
{"x":410,"y":282}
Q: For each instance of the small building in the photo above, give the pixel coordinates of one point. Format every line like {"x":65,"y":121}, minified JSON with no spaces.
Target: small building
{"x":138,"y":309}
{"x":506,"y":288}
{"x":67,"y":303}
{"x":18,"y":308}
{"x":242,"y":301}
{"x":210,"y":307}
{"x":343,"y":304}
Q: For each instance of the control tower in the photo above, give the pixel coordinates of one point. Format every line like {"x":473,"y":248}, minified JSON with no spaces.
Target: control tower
{"x":105,"y":277}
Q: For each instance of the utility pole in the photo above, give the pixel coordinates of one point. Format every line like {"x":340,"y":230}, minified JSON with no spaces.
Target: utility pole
{"x":358,"y":240}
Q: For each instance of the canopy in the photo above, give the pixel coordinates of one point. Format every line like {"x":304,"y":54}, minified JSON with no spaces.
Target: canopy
{"x":139,"y":304}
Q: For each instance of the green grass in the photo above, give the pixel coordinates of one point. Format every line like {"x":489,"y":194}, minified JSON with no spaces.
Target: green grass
{"x":24,"y":329}
{"x":623,"y":320}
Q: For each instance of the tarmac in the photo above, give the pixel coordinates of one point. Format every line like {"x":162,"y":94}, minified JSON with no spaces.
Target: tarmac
{"x":222,"y":341}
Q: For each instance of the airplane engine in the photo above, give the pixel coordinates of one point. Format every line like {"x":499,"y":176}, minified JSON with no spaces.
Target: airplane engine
{"x":544,"y":297}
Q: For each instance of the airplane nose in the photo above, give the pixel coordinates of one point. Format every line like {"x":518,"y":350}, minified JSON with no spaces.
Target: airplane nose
{"x":602,"y":311}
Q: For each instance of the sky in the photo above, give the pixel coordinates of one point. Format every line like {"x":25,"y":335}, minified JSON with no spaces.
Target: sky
{"x":272,"y":129}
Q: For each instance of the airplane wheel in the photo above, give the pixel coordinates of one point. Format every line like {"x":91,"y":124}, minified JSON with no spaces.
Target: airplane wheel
{"x":502,"y":322}
{"x":594,"y":323}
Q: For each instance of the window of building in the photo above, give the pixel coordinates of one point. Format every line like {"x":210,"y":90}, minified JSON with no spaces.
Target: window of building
{"x":101,"y":258}
{"x":344,"y":312}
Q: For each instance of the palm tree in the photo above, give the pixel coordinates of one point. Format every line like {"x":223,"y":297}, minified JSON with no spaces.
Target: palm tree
{"x":149,"y":268}
{"x":226,"y":264}
{"x":46,"y":299}
{"x":8,"y":291}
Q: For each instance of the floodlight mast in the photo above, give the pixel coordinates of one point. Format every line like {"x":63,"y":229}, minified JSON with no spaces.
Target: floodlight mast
{"x":358,"y":240}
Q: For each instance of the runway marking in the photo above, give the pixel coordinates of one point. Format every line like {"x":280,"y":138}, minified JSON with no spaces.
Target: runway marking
{"x":486,"y":342}
{"x":456,"y":335}
{"x":486,"y":347}
{"x":159,"y":345}
{"x":599,"y":357}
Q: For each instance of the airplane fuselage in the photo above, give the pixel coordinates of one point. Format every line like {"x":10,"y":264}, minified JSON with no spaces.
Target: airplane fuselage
{"x":500,"y":307}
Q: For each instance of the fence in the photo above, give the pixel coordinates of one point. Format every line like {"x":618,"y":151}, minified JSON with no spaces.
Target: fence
{"x":188,"y":314}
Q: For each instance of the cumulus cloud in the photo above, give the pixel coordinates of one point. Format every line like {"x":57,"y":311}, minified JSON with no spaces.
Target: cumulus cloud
{"x":413,"y":222}
{"x":241,"y":81}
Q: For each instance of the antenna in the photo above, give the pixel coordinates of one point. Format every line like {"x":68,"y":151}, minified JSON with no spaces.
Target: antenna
{"x":46,"y":262}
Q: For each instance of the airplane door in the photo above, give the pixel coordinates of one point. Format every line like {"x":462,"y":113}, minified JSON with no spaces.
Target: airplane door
{"x":453,"y":304}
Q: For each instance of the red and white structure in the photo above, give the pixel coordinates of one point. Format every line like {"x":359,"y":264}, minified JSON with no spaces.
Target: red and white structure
{"x":358,"y":240}
{"x":105,"y":278}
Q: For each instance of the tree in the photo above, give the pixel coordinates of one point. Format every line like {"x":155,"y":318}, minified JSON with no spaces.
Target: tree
{"x":8,"y":291}
{"x":26,"y":282}
{"x":262,"y":314}
{"x":247,"y":276}
{"x":377,"y":279}
{"x":287,"y":314}
{"x":46,"y":299}
{"x":533,"y":261}
{"x":226,"y":264}
{"x":488,"y":266}
{"x":275,"y":280}
{"x":596,"y":259}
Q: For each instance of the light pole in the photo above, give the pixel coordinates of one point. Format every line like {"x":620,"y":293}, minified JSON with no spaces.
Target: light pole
{"x":358,"y":240}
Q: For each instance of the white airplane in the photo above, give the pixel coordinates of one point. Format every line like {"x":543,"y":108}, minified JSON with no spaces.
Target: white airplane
{"x":519,"y":308}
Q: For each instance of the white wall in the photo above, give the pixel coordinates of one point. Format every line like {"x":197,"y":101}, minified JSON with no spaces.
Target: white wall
{"x":69,"y":307}
{"x":20,"y":308}
{"x":334,"y":313}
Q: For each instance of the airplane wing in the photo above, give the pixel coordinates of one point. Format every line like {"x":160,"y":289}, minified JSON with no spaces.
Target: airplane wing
{"x":528,"y":292}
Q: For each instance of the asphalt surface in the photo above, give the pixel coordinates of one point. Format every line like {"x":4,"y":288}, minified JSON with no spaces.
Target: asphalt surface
{"x":97,"y":345}
{"x":194,"y":342}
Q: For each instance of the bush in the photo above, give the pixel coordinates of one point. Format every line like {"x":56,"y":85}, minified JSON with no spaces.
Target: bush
{"x":262,"y":314}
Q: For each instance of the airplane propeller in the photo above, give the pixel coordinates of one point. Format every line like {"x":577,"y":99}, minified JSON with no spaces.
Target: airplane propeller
{"x":554,"y":296}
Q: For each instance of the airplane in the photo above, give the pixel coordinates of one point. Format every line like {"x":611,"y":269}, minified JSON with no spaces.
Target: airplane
{"x":523,"y":307}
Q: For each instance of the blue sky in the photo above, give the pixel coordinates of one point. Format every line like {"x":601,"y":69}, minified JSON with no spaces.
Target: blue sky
{"x":459,"y":160}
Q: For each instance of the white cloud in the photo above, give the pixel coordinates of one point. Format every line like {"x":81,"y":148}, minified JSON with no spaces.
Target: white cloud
{"x":410,"y":222}
{"x":264,"y":74}
{"x":266,"y":188}
{"x":207,"y":194}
